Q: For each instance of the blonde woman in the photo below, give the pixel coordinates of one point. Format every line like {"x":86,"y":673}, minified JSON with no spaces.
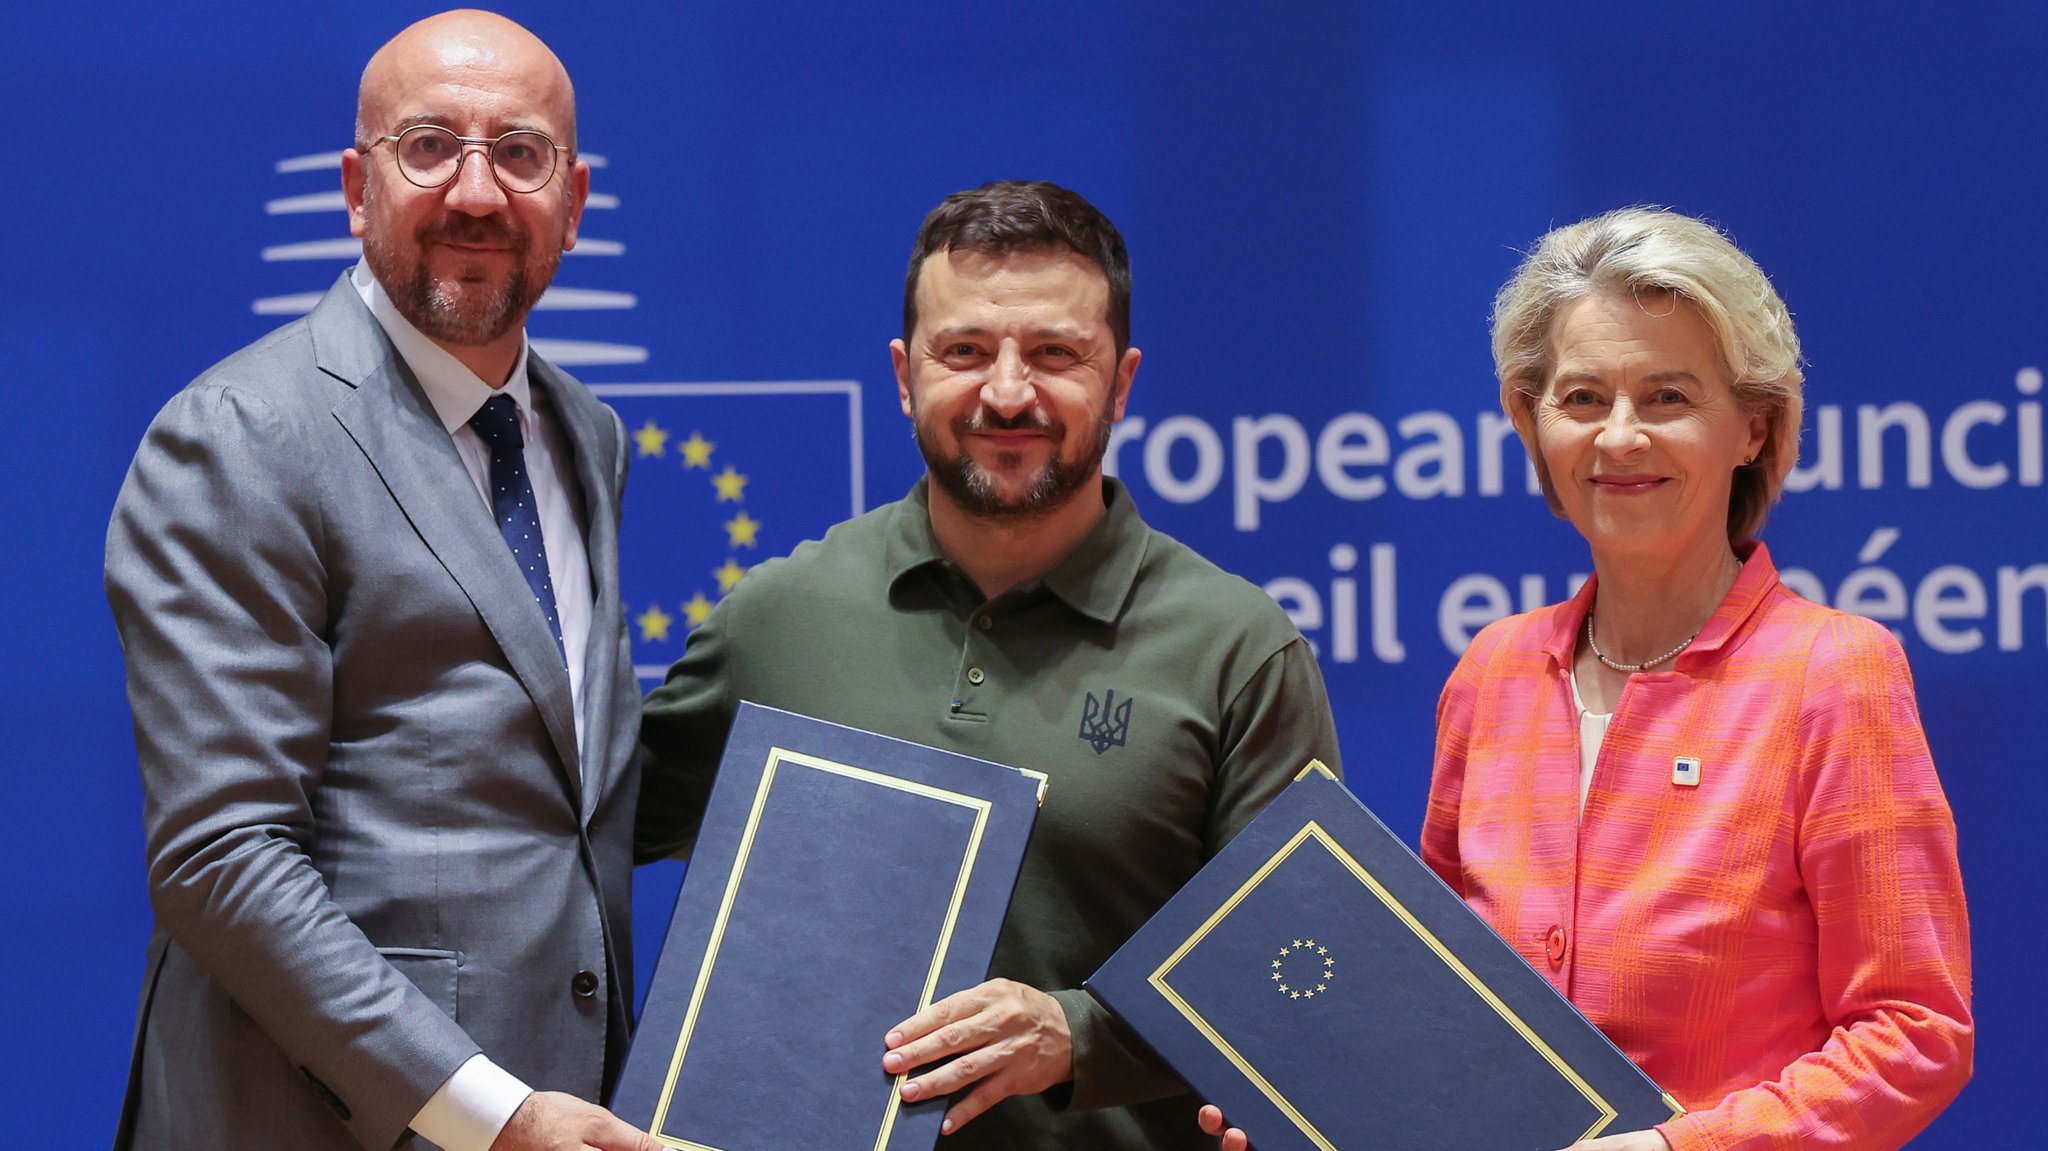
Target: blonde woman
{"x":1702,"y":806}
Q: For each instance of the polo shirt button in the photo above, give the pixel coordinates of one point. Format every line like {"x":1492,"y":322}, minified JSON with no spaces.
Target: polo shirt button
{"x":984,"y":622}
{"x":974,"y":676}
{"x":1554,"y":944}
{"x":584,"y":985}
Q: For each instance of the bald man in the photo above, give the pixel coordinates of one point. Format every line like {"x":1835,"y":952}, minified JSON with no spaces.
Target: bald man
{"x":364,"y":574}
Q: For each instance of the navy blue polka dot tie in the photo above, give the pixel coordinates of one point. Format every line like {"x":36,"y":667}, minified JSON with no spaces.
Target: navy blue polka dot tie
{"x":512,"y":502}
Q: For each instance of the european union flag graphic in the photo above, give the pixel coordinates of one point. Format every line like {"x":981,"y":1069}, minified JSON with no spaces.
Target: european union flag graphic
{"x":724,"y":475}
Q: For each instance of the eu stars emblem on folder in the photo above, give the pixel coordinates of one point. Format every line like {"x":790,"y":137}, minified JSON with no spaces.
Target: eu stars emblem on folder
{"x":1319,"y":984}
{"x":842,"y":881}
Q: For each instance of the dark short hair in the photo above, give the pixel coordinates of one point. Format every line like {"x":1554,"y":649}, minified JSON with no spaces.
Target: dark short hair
{"x":1025,"y":216}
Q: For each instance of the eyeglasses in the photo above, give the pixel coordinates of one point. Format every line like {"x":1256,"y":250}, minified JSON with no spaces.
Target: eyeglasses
{"x":430,"y":156}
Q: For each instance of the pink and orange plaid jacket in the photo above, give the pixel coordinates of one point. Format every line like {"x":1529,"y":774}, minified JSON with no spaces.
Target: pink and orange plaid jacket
{"x":1783,"y":946}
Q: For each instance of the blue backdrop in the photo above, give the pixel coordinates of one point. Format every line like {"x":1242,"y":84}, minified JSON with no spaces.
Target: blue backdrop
{"x":1320,"y":200}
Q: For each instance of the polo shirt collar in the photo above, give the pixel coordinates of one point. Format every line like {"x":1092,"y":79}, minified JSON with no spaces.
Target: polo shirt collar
{"x":1095,"y":580}
{"x":456,"y":392}
{"x":1753,"y":585}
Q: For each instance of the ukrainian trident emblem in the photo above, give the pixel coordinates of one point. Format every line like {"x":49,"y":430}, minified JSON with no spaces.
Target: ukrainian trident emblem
{"x":1105,"y":723}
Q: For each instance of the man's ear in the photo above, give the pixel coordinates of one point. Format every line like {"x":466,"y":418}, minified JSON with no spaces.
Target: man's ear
{"x":1126,"y":375}
{"x":355,"y":176}
{"x":579,"y":192}
{"x":899,"y":359}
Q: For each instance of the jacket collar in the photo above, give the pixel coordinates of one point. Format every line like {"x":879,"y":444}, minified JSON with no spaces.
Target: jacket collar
{"x":1752,"y":585}
{"x":394,"y":424}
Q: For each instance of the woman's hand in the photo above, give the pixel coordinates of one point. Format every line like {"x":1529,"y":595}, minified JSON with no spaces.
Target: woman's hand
{"x":1211,"y":1119}
{"x":1648,"y":1140}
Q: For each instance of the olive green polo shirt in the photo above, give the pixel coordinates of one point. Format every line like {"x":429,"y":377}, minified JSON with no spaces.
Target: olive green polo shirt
{"x":1166,"y":700}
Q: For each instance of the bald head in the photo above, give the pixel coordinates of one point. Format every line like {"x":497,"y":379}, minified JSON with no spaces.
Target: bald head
{"x":464,"y":251}
{"x":465,"y":48}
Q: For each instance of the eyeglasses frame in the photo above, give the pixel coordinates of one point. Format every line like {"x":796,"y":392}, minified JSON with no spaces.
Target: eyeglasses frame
{"x":487,"y":143}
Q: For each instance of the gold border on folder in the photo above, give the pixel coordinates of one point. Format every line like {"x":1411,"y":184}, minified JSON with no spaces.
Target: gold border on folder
{"x":1314,"y":830}
{"x":776,"y":757}
{"x":1039,"y":778}
{"x":1314,"y":767}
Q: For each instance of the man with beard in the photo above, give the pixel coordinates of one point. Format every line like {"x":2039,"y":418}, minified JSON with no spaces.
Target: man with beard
{"x":1014,"y":607}
{"x":364,"y":573}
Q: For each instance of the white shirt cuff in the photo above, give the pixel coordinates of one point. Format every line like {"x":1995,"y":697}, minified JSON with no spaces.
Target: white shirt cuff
{"x":470,"y":1109}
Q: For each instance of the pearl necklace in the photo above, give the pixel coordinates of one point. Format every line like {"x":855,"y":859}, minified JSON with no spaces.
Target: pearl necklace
{"x":1632,"y":668}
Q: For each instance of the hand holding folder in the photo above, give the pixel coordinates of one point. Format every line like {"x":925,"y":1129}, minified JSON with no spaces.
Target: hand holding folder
{"x":1010,"y":1040}
{"x":796,"y":946}
{"x":1323,"y":985}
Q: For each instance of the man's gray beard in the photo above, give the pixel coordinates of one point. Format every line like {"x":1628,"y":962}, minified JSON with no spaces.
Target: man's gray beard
{"x":443,"y":315}
{"x":974,"y":490}
{"x":446,"y":314}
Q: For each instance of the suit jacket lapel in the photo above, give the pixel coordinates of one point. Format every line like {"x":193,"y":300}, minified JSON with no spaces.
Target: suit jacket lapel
{"x":394,"y":424}
{"x":585,"y":432}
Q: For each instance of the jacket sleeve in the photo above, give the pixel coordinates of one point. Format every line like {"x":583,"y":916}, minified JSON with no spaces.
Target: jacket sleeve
{"x":1455,"y":709}
{"x":1877,"y":852}
{"x":216,"y":578}
{"x":683,"y":725}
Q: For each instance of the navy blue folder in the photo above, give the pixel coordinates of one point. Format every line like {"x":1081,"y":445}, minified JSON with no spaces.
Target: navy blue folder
{"x":841,"y":882}
{"x":1322,"y":986}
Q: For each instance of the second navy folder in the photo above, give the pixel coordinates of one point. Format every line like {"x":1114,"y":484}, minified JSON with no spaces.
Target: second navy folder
{"x":1324,"y":988}
{"x":842,"y":881}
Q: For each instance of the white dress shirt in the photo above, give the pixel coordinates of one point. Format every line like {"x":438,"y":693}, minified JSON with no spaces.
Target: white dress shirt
{"x":469,"y":1110}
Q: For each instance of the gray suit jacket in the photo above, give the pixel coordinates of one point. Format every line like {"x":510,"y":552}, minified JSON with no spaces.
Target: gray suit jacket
{"x":374,"y":846}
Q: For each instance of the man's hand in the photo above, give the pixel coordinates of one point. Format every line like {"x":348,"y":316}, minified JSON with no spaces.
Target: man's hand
{"x":1010,"y":1039}
{"x":1210,"y":1117}
{"x":552,"y":1121}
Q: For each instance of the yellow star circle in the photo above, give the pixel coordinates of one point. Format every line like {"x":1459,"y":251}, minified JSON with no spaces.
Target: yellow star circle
{"x":741,"y":530}
{"x":1321,"y":979}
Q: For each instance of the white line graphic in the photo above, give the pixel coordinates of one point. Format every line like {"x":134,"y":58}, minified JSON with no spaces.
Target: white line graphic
{"x":569,"y":352}
{"x":314,"y":162}
{"x":294,"y":305}
{"x":584,"y":300}
{"x":346,"y":248}
{"x":315,"y":202}
{"x":587,"y":353}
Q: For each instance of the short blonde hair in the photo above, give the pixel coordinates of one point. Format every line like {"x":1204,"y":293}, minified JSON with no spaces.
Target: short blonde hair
{"x":1637,"y":250}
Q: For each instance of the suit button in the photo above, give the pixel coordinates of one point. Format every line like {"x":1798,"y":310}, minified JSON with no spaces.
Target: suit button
{"x":584,"y":984}
{"x":975,"y":676}
{"x":1554,"y":944}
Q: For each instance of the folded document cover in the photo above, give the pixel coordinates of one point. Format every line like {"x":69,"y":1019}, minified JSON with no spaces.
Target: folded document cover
{"x":1322,"y":986}
{"x":841,"y":882}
